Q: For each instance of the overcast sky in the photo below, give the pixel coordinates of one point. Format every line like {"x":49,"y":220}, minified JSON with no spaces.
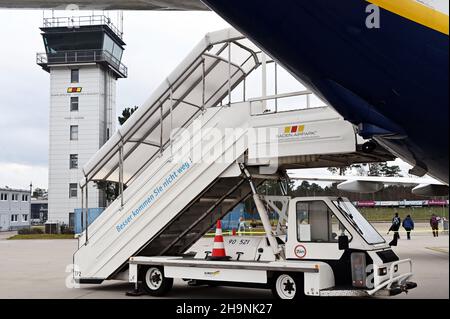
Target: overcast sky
{"x":156,"y":43}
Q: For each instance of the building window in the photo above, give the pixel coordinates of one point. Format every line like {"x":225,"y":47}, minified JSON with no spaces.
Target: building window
{"x":3,"y":196}
{"x":74,"y":103}
{"x":14,"y":217}
{"x":73,"y":190}
{"x":24,"y":198}
{"x":74,"y":132}
{"x":71,"y":220}
{"x":15,"y":197}
{"x":73,"y":161}
{"x":74,"y":75}
{"x":24,"y":217}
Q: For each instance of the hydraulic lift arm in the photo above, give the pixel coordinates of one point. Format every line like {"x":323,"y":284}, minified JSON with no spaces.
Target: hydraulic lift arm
{"x":276,"y":249}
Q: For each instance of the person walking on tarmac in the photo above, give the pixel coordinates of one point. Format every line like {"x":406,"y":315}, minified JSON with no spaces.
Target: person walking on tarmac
{"x":434,"y":223}
{"x":241,"y":227}
{"x":408,"y":225}
{"x":396,"y":222}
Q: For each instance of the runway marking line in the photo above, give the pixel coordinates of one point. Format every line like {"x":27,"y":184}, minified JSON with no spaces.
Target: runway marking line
{"x":443,"y":250}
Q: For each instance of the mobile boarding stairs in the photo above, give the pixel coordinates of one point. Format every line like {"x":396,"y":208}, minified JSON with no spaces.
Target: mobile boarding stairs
{"x":178,"y":158}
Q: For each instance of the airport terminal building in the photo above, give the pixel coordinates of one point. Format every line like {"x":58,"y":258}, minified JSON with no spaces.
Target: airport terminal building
{"x":14,"y":209}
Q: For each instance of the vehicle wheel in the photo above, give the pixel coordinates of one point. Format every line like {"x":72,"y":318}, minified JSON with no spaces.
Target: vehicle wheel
{"x":154,"y":281}
{"x":287,"y":286}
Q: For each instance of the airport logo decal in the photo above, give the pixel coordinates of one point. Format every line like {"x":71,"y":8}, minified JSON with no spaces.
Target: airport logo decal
{"x":300,"y":251}
{"x":296,"y":131}
{"x":212,"y":273}
{"x":74,"y":90}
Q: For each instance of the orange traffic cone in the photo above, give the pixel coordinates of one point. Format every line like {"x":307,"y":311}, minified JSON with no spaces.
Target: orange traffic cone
{"x":233,"y":232}
{"x":218,"y":252}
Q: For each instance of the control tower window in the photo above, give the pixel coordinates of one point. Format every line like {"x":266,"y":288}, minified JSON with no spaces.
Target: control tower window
{"x":112,"y":48}
{"x":73,"y":190}
{"x":74,"y":132}
{"x":74,"y":103}
{"x":74,"y":75}
{"x":73,"y":161}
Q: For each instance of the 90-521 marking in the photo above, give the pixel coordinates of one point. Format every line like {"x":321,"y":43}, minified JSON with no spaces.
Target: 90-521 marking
{"x":240,"y":242}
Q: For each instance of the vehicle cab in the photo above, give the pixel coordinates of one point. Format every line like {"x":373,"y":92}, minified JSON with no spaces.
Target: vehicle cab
{"x":333,"y":231}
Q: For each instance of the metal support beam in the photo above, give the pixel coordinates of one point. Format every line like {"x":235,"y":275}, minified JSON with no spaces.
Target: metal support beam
{"x":264,"y":81}
{"x":282,"y":213}
{"x":281,"y":96}
{"x":121,"y":174}
{"x":143,"y":142}
{"x":277,"y":251}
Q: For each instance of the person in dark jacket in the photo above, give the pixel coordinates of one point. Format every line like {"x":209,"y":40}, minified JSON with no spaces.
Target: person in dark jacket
{"x":396,"y":222}
{"x":434,"y":223}
{"x":408,"y":225}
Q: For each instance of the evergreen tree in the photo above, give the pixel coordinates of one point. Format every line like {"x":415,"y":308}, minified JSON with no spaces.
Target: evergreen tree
{"x":126,"y":113}
{"x":374,"y":169}
{"x":390,"y":171}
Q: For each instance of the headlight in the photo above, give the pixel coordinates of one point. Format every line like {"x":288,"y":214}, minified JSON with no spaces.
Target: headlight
{"x":395,"y":268}
{"x":382,"y":271}
{"x":358,"y":261}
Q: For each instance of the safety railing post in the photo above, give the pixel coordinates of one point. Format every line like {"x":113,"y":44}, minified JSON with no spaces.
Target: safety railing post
{"x":229,"y":73}
{"x":244,"y":88}
{"x":87,"y":213}
{"x":121,"y":174}
{"x":276,"y":86}
{"x":161,"y":124}
{"x":82,"y":208}
{"x":171,"y":120}
{"x":203,"y":84}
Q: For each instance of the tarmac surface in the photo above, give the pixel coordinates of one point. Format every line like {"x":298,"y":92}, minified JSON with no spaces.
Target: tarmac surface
{"x":41,"y":269}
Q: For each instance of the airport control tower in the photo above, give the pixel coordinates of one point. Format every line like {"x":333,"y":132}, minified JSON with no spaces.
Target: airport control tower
{"x":83,"y":56}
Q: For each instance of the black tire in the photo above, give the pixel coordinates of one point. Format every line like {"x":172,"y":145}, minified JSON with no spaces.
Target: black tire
{"x":154,"y":282}
{"x":287,"y":286}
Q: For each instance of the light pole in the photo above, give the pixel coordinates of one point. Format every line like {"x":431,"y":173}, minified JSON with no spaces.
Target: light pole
{"x":29,"y":204}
